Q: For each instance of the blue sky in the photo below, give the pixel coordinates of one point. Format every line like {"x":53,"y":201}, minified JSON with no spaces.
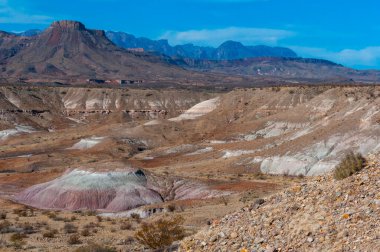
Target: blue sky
{"x":344,"y":31}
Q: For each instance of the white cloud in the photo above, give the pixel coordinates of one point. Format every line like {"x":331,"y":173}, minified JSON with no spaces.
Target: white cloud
{"x":369,"y":56}
{"x":217,"y":36}
{"x":9,"y":14}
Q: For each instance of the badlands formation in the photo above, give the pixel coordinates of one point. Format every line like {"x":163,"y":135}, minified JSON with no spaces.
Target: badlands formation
{"x":197,"y":154}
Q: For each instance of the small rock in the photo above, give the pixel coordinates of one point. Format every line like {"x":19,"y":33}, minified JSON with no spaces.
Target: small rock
{"x":259,"y":240}
{"x":269,"y":249}
{"x":233,"y":235}
{"x":214,"y":239}
{"x":310,"y":239}
{"x":259,"y":201}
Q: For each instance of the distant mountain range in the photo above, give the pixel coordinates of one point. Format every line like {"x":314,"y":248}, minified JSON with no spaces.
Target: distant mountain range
{"x":67,"y":51}
{"x":28,"y":33}
{"x":229,"y":50}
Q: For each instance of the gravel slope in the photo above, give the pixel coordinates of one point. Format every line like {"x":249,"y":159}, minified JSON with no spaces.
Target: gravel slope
{"x":320,"y":215}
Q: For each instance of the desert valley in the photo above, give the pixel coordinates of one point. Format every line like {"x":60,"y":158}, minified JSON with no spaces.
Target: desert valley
{"x":99,"y":140}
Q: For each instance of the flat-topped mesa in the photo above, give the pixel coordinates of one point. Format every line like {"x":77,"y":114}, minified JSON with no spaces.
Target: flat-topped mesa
{"x":68,"y":25}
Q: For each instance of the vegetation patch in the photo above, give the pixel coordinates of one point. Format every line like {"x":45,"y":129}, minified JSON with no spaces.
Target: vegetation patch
{"x":161,"y":233}
{"x":350,"y":164}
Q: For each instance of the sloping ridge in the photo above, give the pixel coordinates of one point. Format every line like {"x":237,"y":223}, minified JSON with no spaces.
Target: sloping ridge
{"x":322,"y":214}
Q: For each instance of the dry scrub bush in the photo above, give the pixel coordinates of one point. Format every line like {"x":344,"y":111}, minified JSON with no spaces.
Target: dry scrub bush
{"x":85,"y":232}
{"x":171,"y":208}
{"x":350,"y":164}
{"x":126,"y":226}
{"x":27,"y":228}
{"x":74,"y":239}
{"x":161,"y":233}
{"x":17,"y":240}
{"x":5,"y":227}
{"x":21,"y":212}
{"x":50,"y":234}
{"x":70,"y":228}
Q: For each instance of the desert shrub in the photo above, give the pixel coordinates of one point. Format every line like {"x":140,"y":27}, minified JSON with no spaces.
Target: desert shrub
{"x":51,"y":215}
{"x":21,"y":212}
{"x":17,"y":240}
{"x":349,"y":165}
{"x":99,"y":218}
{"x":27,"y":228}
{"x":5,"y":227}
{"x":17,"y":237}
{"x":3,"y":216}
{"x":129,"y":240}
{"x":40,"y":224}
{"x":224,"y":200}
{"x":95,"y":248}
{"x":91,"y":212}
{"x":171,"y":208}
{"x":92,"y":225}
{"x":161,"y":233}
{"x":136,"y":217}
{"x":70,"y":228}
{"x":50,"y":234}
{"x":126,"y":226}
{"x":74,"y":239}
{"x":85,"y":232}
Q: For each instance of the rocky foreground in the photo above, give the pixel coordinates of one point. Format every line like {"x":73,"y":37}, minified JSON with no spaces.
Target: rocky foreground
{"x":322,"y":214}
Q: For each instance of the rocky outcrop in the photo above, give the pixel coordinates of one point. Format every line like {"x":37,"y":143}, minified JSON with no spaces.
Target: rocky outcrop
{"x":320,"y":215}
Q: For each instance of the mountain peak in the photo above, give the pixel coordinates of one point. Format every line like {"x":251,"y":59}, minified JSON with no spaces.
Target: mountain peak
{"x":231,"y":43}
{"x":68,"y":25}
